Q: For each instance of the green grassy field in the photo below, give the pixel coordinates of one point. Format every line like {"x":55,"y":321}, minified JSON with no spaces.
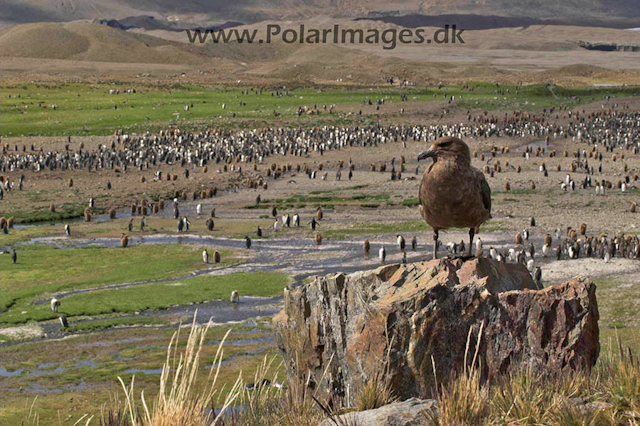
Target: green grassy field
{"x":89,"y":109}
{"x":619,"y":316}
{"x":160,"y":295}
{"x":42,"y":271}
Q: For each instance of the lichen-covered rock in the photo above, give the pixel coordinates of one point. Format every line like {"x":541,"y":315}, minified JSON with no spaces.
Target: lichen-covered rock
{"x":412,"y":412}
{"x":342,"y":329}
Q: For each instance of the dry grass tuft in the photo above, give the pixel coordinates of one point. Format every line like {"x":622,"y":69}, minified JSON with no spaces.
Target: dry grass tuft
{"x":178,"y":402}
{"x":607,"y":395}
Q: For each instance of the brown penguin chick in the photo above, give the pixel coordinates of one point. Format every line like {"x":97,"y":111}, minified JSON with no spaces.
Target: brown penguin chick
{"x":548,"y":240}
{"x":453,"y":194}
{"x":124,"y":240}
{"x":318,"y":238}
{"x":366,"y":246}
{"x":319,"y":213}
{"x":583,"y":229}
{"x":216,"y":257}
{"x":519,"y":238}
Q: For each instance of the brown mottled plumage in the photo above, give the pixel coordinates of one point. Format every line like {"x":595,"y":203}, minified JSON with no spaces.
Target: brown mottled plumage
{"x":583,"y":229}
{"x":453,"y":194}
{"x":519,"y":238}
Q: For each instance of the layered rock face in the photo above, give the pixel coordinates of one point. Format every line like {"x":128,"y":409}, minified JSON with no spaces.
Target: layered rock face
{"x":410,"y":321}
{"x":412,"y":412}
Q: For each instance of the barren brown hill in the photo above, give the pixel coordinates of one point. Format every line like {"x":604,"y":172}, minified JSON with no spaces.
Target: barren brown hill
{"x":83,"y":41}
{"x":22,"y":11}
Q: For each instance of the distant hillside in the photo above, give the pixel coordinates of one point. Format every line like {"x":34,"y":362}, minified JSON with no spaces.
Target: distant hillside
{"x":92,"y":42}
{"x":219,"y":11}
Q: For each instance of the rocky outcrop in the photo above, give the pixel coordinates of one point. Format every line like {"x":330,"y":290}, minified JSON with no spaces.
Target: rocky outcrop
{"x":411,"y":320}
{"x":609,"y":47}
{"x":412,"y":412}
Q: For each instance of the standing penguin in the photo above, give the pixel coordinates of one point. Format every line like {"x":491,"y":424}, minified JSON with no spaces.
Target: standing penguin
{"x":414,"y":243}
{"x":67,"y":230}
{"x":530,"y":265}
{"x":205,"y":256}
{"x":548,"y":240}
{"x":366,"y":247}
{"x":259,"y":232}
{"x":274,"y":211}
{"x":247,"y":242}
{"x":400,"y":241}
{"x":319,"y":213}
{"x":55,"y":304}
{"x":318,"y":238}
{"x":382,"y":254}
{"x":124,"y":240}
{"x":537,"y":275}
{"x":14,"y":256}
{"x":519,"y":238}
{"x":583,"y":228}
{"x":313,"y":224}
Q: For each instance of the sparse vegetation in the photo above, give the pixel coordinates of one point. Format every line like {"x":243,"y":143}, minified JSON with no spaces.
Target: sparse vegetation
{"x":43,"y":271}
{"x":609,"y":395}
